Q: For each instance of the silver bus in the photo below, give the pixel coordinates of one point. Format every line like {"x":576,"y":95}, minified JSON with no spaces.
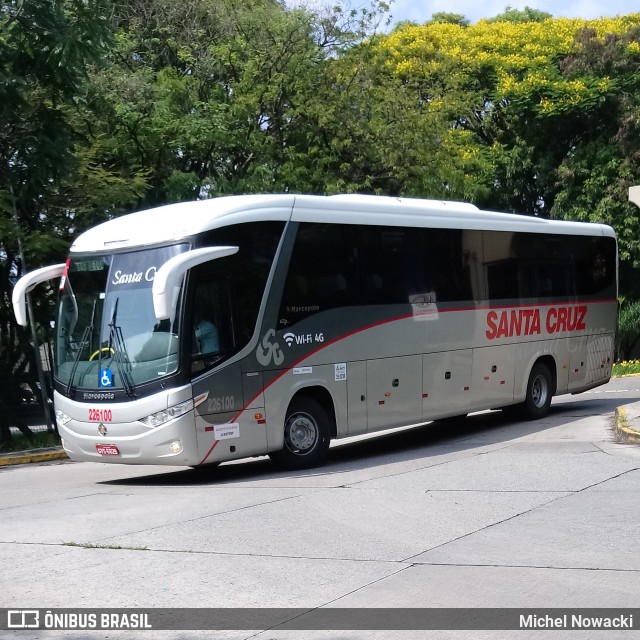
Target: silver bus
{"x":201,"y":332}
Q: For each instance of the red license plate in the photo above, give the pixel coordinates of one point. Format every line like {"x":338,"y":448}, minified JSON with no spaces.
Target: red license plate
{"x":107,"y":450}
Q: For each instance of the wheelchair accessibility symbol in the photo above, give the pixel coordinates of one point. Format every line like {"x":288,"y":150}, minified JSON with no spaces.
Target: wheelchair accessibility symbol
{"x":106,"y":378}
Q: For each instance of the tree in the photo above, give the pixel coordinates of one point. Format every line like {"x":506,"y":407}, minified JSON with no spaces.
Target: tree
{"x":521,"y":15}
{"x":628,"y":329}
{"x":594,"y":178}
{"x":44,"y":51}
{"x":374,"y":131}
{"x":549,"y":103}
{"x":203,"y":98}
{"x":451,"y":18}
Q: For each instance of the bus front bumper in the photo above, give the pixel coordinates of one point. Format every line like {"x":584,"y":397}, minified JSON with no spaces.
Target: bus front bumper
{"x":171,"y":444}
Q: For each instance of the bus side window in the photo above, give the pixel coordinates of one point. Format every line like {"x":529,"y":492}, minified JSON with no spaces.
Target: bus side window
{"x":228,"y":291}
{"x":386,"y":262}
{"x":212,"y":322}
{"x":323,"y":272}
{"x":543,"y":266}
{"x":205,"y":332}
{"x":595,"y":263}
{"x":451,"y":262}
{"x":434,"y":265}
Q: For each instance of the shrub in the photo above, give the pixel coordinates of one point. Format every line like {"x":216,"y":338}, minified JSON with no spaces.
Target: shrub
{"x":628,"y":333}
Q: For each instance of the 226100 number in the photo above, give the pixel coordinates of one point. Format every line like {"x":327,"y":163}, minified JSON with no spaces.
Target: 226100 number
{"x":100,"y":415}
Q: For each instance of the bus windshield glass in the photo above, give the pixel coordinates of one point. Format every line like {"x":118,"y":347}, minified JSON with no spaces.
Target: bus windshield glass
{"x":107,"y":335}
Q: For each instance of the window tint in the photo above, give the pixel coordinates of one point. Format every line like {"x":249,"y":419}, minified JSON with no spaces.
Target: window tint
{"x":227,"y":293}
{"x":531,"y":265}
{"x":390,"y":276}
{"x":402,"y":264}
{"x":323,"y":272}
{"x":335,"y":265}
{"x":343,"y":265}
{"x":595,"y":266}
{"x":452,"y":263}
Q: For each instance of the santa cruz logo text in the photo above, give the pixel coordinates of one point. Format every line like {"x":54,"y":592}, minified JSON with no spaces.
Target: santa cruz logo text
{"x":527,"y":322}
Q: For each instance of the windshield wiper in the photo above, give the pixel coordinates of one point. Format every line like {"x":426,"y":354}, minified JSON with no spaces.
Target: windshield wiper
{"x":120,"y":356}
{"x":84,"y":340}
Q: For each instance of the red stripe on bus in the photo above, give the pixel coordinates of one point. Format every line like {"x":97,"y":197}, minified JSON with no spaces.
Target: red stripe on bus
{"x":215,"y":444}
{"x":297,"y":362}
{"x":388,"y":321}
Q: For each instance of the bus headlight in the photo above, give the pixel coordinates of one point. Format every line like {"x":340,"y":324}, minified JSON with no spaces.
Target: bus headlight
{"x":160,"y":417}
{"x":61,"y":417}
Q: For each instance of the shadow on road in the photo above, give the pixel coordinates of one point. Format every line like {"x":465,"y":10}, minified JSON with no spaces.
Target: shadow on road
{"x":419,"y":442}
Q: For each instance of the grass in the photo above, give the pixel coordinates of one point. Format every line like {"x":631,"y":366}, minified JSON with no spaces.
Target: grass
{"x":626,"y":368}
{"x":39,"y":440}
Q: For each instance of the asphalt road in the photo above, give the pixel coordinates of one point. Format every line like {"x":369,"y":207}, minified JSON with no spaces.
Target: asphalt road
{"x":485,"y":512}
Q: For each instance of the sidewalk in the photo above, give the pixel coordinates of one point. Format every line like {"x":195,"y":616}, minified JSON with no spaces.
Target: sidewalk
{"x":627,"y":423}
{"x":33,"y":455}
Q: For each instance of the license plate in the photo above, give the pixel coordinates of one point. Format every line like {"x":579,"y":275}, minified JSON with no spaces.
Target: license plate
{"x":107,"y":450}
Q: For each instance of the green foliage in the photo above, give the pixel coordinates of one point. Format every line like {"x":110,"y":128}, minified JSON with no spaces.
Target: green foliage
{"x":628,"y":330}
{"x":201,"y":105}
{"x":451,"y":18}
{"x":593,"y":180}
{"x":39,"y":440}
{"x":550,"y":105}
{"x":626,"y":368}
{"x":521,"y":15}
{"x":45,"y":49}
{"x":107,"y":107}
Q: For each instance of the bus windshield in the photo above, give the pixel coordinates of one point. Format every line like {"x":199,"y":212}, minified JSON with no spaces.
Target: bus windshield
{"x":107,"y":335}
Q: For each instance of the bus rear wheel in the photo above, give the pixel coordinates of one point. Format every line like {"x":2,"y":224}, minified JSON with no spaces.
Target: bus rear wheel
{"x":306,"y":435}
{"x":539,"y":392}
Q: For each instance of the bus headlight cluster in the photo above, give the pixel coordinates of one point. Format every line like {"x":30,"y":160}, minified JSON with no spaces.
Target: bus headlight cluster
{"x":61,"y":417}
{"x":160,"y":417}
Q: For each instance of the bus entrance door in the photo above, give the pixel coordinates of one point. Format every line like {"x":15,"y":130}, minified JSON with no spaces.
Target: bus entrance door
{"x":224,"y":431}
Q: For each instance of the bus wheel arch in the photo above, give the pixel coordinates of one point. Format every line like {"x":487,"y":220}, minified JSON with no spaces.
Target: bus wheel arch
{"x":541,"y":387}
{"x":309,"y":425}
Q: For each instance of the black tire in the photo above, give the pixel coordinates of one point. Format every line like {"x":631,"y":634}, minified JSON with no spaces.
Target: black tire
{"x":539,"y":393}
{"x":307,"y":435}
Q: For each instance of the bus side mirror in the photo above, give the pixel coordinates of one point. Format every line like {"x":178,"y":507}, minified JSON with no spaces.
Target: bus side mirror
{"x":26,"y":284}
{"x":166,"y":283}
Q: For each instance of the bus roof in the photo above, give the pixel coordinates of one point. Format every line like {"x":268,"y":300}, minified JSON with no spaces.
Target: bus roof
{"x":175,"y":222}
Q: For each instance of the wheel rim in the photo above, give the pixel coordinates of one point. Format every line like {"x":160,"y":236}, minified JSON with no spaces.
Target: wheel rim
{"x":301,"y":433}
{"x":539,"y":391}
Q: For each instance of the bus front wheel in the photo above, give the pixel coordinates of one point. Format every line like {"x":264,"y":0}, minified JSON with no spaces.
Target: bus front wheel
{"x":539,"y":392}
{"x":306,"y":435}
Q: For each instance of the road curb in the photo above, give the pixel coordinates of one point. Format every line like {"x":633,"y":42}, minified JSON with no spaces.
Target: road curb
{"x":35,"y":455}
{"x":623,"y":429}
